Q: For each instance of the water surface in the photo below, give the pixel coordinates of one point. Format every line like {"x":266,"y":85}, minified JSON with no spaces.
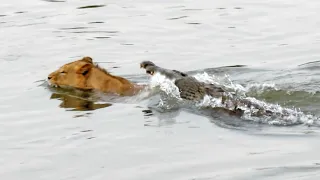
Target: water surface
{"x":48,"y":134}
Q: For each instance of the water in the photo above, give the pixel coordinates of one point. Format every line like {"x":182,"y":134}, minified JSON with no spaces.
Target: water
{"x":52,"y":134}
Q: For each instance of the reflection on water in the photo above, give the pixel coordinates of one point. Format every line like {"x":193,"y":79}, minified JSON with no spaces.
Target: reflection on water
{"x":73,"y":103}
{"x":75,"y":99}
{"x":158,"y":118}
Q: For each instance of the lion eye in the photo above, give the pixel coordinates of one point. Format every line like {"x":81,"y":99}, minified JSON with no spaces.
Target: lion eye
{"x":85,"y":72}
{"x":62,"y":72}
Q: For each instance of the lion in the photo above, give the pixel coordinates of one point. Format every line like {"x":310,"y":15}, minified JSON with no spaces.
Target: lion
{"x":83,"y":74}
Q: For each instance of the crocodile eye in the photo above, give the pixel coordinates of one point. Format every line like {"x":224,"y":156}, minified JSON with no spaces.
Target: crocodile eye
{"x":150,"y":72}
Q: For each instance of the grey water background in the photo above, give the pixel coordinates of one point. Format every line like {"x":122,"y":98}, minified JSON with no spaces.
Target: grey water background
{"x":42,"y":135}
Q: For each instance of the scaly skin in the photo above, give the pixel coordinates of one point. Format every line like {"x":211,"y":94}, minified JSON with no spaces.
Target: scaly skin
{"x":190,"y":88}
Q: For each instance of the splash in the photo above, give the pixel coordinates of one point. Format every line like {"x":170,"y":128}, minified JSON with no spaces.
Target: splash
{"x":260,"y":88}
{"x":165,"y":85}
{"x":273,"y":114}
{"x":278,"y":115}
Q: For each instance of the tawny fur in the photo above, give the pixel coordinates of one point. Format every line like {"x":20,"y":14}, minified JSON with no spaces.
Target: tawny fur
{"x":84,"y":74}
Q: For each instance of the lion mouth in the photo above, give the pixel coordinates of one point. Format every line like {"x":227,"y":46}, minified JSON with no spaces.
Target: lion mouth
{"x":52,"y":84}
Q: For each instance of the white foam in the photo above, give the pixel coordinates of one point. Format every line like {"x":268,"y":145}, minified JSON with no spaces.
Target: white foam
{"x":166,"y":85}
{"x":260,"y":88}
{"x":281,"y":115}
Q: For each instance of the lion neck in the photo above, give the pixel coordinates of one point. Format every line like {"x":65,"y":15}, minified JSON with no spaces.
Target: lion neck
{"x":100,"y":79}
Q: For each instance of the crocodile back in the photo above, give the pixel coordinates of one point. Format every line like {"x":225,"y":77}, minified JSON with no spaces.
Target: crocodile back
{"x":192,"y":89}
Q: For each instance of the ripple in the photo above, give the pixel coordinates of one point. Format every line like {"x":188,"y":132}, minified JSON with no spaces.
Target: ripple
{"x":147,"y":112}
{"x":82,"y":115}
{"x":74,"y":28}
{"x":127,"y":44}
{"x":311,"y":64}
{"x":109,"y":32}
{"x":49,"y":16}
{"x":234,"y":66}
{"x":91,"y":6}
{"x":194,"y":23}
{"x":290,"y":169}
{"x":21,"y":12}
{"x":96,"y":22}
{"x":30,"y":24}
{"x":180,"y":17}
{"x":192,"y":9}
{"x":102,"y":37}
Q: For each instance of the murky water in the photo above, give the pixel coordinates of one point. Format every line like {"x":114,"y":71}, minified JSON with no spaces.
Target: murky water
{"x":52,"y":134}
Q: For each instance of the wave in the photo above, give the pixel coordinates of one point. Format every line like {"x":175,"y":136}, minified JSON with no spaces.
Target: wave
{"x":259,"y":96}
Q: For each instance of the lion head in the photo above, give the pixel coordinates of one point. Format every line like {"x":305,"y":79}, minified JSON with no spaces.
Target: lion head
{"x":85,"y":75}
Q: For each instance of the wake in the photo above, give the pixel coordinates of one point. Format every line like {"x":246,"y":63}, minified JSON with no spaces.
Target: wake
{"x":274,"y":114}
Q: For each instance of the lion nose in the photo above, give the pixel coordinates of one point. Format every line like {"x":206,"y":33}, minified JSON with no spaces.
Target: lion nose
{"x":49,"y":77}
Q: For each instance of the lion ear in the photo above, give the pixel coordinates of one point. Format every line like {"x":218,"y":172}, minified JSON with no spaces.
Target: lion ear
{"x":85,"y":69}
{"x":87,"y":59}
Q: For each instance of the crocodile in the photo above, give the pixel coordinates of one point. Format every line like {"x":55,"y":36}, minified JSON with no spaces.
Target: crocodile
{"x":189,"y":87}
{"x":192,"y":89}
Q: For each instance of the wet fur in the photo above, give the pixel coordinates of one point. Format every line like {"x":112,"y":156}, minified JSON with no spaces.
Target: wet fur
{"x":85,"y":75}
